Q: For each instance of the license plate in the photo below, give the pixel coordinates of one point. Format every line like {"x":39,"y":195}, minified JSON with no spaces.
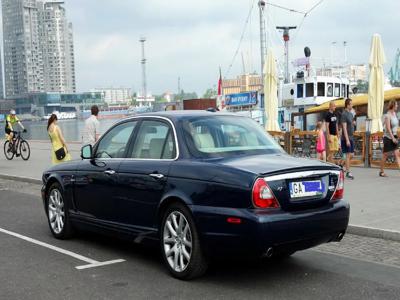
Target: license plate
{"x":302,"y":189}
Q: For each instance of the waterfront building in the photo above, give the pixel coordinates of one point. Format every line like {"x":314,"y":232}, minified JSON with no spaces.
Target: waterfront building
{"x":145,"y":101}
{"x":56,"y":38}
{"x":353,"y":72}
{"x":23,"y":60}
{"x":241,"y":84}
{"x":38,"y":48}
{"x":42,"y":104}
{"x":115,"y":95}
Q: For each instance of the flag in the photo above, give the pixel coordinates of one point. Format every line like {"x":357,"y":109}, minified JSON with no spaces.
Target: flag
{"x":220,"y":83}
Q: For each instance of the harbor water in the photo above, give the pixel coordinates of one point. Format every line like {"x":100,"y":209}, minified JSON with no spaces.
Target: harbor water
{"x":71,"y":129}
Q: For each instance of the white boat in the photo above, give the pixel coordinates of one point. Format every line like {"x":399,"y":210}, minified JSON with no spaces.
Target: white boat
{"x":62,"y":115}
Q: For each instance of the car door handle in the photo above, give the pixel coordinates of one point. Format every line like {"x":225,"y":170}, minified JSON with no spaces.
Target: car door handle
{"x":156,"y":175}
{"x":109,"y":172}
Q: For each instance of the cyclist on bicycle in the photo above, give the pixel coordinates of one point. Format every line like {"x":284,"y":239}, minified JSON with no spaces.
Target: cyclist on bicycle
{"x":11,"y":120}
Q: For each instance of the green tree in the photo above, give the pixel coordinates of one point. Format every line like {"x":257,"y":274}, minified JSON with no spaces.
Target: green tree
{"x":362,"y":86}
{"x":210,"y":93}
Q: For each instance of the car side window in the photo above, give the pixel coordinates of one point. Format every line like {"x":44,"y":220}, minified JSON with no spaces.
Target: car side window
{"x":154,"y":141}
{"x":115,"y":142}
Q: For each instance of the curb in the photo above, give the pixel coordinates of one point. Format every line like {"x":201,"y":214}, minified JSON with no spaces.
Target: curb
{"x":372,"y":232}
{"x":366,"y":231}
{"x":21,"y":179}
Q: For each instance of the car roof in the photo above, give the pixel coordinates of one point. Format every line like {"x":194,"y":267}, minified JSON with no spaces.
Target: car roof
{"x":183,"y":114}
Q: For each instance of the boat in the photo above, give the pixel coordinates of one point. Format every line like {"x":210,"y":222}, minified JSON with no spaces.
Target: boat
{"x":62,"y":115}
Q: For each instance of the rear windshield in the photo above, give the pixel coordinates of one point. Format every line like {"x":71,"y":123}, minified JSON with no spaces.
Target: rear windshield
{"x":217,"y":136}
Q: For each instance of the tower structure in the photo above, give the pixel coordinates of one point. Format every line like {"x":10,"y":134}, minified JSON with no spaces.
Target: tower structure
{"x":143,"y":62}
{"x":286,"y":30}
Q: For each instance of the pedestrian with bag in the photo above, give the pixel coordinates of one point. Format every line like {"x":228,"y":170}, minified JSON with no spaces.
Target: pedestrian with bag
{"x":59,"y":151}
{"x":390,"y":139}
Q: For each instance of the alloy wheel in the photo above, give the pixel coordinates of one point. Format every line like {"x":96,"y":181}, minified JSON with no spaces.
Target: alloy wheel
{"x":56,"y":211}
{"x":177,"y":241}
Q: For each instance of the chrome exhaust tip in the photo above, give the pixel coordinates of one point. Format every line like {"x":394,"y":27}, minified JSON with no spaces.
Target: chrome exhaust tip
{"x":339,"y":237}
{"x":269,"y":252}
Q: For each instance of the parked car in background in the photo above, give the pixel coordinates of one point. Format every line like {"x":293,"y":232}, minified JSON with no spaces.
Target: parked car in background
{"x":200,"y":183}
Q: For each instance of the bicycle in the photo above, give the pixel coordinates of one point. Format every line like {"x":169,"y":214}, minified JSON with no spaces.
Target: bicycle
{"x":17,"y":147}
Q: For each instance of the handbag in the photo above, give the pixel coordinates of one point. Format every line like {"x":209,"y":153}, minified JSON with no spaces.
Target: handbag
{"x":60,"y":153}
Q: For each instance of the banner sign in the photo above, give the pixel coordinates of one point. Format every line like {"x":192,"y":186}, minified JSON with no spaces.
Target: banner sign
{"x":241,"y":99}
{"x":301,"y":61}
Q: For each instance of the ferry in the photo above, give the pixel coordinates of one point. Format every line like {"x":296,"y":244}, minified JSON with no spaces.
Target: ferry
{"x":62,"y":115}
{"x":309,"y":88}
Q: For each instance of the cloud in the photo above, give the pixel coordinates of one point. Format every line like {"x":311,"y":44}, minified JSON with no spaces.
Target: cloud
{"x":191,"y":39}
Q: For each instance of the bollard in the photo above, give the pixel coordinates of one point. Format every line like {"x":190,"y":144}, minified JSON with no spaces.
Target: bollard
{"x":367,"y":147}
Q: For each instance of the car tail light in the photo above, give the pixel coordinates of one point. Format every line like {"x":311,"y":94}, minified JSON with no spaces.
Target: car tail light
{"x":263,"y":196}
{"x":338,"y":195}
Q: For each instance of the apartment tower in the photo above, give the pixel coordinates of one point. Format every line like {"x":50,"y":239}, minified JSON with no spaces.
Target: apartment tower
{"x":38,"y":48}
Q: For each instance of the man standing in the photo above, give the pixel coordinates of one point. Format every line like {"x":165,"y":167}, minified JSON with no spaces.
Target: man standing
{"x":347,"y":136}
{"x":332,"y":130}
{"x":91,"y":133}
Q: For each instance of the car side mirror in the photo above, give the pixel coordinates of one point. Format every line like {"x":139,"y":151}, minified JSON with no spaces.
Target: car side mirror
{"x":87,"y":152}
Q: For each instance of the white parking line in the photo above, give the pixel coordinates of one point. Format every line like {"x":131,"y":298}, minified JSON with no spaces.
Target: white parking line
{"x":91,"y":262}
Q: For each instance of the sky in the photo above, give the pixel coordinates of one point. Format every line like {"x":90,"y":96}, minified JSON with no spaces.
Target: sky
{"x":191,"y":39}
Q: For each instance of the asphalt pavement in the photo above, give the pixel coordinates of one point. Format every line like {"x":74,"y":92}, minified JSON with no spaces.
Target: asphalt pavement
{"x":356,"y":268}
{"x":374,"y":200}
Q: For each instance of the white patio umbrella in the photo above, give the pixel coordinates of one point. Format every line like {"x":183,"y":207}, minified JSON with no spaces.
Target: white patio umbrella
{"x":270,"y":93}
{"x":376,"y":83}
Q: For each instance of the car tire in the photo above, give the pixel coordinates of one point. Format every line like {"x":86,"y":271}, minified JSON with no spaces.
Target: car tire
{"x":180,"y":244}
{"x":57,"y":213}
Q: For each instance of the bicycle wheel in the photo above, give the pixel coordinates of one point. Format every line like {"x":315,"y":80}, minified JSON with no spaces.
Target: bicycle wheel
{"x":8,"y":151}
{"x":24,"y":150}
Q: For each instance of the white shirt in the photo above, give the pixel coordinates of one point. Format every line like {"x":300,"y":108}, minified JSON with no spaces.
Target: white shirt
{"x":92,"y":128}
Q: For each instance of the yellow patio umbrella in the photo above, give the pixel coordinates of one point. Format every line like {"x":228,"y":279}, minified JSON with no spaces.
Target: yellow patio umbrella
{"x":270,"y":93}
{"x":376,"y":83}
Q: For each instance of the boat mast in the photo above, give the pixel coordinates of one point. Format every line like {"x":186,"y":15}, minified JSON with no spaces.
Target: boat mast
{"x":263,"y":41}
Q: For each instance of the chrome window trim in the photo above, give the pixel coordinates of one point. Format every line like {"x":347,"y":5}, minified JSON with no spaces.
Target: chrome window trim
{"x":151,"y":159}
{"x":298,"y":175}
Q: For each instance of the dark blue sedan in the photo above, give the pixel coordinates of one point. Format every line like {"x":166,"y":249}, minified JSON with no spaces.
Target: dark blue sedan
{"x":201,"y":184}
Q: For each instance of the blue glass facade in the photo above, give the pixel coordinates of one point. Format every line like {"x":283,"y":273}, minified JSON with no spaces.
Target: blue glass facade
{"x":48,"y":102}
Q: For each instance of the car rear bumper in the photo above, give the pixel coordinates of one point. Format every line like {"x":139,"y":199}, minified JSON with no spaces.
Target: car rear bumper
{"x":260,"y":230}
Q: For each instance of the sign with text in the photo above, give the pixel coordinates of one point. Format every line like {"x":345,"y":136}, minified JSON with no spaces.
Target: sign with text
{"x":241,"y":99}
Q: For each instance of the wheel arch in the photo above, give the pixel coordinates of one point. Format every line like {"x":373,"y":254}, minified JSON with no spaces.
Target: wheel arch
{"x":50,"y":181}
{"x":168,"y":199}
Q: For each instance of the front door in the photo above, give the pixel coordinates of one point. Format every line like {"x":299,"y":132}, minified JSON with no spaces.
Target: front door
{"x":143,"y":175}
{"x":96,"y":180}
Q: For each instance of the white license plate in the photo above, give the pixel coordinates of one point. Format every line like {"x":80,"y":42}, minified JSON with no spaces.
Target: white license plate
{"x":300,"y":189}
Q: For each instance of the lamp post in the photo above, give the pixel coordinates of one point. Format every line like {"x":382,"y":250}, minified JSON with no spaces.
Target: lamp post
{"x":368,"y":125}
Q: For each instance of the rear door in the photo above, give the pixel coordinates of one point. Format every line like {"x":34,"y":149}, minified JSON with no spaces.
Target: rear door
{"x":96,"y":182}
{"x":143,"y":175}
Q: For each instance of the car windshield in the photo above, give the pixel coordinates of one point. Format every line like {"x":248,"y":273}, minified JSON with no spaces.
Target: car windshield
{"x":217,"y":136}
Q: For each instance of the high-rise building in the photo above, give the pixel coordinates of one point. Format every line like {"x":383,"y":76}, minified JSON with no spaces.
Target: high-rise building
{"x":56,"y":40}
{"x":38,"y":48}
{"x":114,"y":95}
{"x":23,"y":61}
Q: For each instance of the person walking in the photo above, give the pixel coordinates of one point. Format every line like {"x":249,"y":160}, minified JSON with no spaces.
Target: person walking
{"x":321,"y":142}
{"x":347,"y":141}
{"x":390,"y":139}
{"x":59,"y":151}
{"x":332,"y":130}
{"x":91,"y":132}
